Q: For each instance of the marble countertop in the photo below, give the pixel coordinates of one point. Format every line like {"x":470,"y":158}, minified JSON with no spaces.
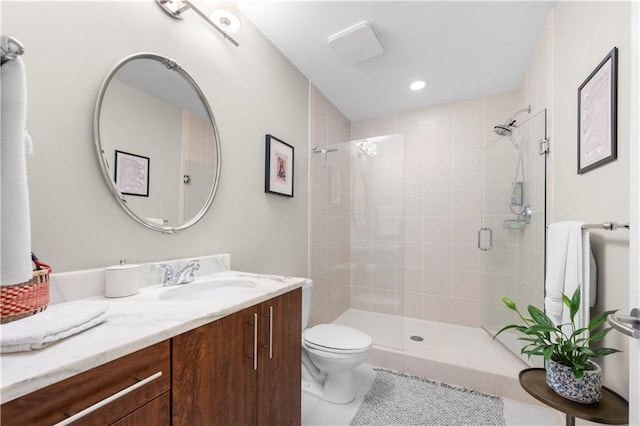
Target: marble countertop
{"x":133,"y":323}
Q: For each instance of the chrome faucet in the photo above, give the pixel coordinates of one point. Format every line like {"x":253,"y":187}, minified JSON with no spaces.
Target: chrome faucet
{"x":183,"y":276}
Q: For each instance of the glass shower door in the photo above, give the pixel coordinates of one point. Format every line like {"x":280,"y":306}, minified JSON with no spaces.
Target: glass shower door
{"x":512,"y":237}
{"x":377,"y":236}
{"x":357,"y":237}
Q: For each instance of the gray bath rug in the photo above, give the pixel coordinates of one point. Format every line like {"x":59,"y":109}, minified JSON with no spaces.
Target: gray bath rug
{"x":401,"y":399}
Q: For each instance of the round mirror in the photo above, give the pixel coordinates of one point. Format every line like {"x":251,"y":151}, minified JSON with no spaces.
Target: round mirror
{"x":157,"y":142}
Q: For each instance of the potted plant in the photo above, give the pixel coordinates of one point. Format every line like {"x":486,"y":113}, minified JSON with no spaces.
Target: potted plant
{"x":566,"y":349}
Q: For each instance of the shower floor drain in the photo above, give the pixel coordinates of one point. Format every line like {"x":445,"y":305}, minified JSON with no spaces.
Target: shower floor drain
{"x":417,"y":338}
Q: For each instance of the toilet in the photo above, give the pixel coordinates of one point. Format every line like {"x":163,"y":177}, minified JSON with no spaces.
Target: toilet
{"x":330,"y":353}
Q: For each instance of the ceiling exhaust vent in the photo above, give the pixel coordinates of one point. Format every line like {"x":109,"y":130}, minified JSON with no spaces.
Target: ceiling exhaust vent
{"x":356,"y":43}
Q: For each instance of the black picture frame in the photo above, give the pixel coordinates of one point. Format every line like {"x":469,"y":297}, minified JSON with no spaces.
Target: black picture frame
{"x":131,"y":174}
{"x":279,"y":162}
{"x":598,"y":115}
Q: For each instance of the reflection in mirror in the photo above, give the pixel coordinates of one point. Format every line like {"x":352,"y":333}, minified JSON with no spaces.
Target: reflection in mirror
{"x":157,"y":142}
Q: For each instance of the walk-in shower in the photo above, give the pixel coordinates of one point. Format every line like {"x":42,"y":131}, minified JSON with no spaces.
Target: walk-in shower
{"x":393,"y":233}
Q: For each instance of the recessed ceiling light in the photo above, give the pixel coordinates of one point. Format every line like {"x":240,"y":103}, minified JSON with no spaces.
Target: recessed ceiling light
{"x":418,"y":85}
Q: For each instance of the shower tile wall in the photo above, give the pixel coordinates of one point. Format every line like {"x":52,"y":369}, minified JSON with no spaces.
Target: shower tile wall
{"x":330,"y":195}
{"x":198,"y":156}
{"x":441,"y":267}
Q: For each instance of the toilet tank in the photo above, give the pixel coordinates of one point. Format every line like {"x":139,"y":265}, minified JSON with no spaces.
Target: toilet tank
{"x":306,"y":302}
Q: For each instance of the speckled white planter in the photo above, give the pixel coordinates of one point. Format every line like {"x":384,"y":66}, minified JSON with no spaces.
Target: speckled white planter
{"x":560,"y":378}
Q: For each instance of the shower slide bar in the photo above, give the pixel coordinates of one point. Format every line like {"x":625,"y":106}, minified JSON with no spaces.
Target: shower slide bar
{"x":10,"y":48}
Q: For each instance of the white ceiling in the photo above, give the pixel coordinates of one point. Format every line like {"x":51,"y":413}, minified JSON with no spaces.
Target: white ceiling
{"x":462,"y":49}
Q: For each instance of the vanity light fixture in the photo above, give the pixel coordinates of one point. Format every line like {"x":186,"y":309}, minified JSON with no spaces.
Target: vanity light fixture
{"x":224,"y":23}
{"x":225,"y":15}
{"x":418,"y":85}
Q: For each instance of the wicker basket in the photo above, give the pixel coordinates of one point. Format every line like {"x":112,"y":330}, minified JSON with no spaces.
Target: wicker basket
{"x":26,"y":299}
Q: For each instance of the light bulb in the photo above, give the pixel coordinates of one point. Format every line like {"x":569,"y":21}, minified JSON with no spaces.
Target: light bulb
{"x":226,"y":20}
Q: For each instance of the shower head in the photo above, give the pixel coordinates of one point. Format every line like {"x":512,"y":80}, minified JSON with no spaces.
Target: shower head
{"x":507,"y":128}
{"x":367,"y":147}
{"x":503,"y":129}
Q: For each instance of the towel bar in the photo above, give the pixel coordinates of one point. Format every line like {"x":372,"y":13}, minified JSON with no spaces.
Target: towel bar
{"x":607,"y":226}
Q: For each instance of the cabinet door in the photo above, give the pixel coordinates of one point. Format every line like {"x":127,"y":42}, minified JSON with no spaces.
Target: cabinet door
{"x":214,"y":380}
{"x":279,"y":363}
{"x":154,"y":413}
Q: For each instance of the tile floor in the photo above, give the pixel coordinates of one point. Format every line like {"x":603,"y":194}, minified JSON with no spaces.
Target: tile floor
{"x":316,"y":412}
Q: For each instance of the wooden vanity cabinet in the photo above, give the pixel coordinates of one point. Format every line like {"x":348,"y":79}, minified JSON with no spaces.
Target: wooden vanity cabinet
{"x":148,"y":400}
{"x":244,"y":369}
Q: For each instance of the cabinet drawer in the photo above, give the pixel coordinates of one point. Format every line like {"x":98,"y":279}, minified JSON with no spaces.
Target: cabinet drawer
{"x":155,"y":413}
{"x":59,"y":401}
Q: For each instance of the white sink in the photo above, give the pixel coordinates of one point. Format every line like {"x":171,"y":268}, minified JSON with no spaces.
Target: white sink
{"x":210,"y":289}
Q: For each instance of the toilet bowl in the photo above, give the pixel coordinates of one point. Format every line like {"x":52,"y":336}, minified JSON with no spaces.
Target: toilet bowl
{"x":330,"y":353}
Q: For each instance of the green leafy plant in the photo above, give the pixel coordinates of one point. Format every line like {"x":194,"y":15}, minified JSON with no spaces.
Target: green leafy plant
{"x":572,"y":349}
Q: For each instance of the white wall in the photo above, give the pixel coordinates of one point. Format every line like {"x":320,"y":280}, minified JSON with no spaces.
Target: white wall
{"x":583,"y":33}
{"x":253,"y":90}
{"x":576,"y":37}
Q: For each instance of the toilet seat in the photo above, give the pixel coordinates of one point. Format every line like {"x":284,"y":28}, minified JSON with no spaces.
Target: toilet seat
{"x":335,"y":338}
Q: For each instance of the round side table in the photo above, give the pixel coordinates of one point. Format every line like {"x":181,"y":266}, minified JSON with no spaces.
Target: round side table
{"x":611,"y":409}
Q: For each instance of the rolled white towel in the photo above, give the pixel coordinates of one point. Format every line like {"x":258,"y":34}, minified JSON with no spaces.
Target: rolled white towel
{"x":55,"y":323}
{"x":14,"y":142}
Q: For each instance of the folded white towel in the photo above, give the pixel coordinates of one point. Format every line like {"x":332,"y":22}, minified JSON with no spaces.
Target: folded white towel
{"x":569,"y":266}
{"x":55,"y":323}
{"x":16,"y":223}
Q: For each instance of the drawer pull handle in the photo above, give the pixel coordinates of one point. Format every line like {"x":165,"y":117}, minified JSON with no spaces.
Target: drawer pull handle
{"x":108,"y":400}
{"x":270,"y":345}
{"x":270,"y":332}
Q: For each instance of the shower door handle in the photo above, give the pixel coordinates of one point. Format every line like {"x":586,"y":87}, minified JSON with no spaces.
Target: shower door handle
{"x":480,"y":245}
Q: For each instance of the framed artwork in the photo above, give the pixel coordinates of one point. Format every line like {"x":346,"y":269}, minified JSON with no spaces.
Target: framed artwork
{"x":132,"y":174}
{"x":598,"y":116}
{"x":278,"y":167}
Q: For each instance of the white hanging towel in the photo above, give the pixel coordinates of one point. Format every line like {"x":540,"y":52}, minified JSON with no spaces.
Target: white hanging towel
{"x":14,"y":196}
{"x":570,"y":264}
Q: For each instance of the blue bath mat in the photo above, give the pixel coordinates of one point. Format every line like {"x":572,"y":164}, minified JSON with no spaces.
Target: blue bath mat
{"x":401,"y":399}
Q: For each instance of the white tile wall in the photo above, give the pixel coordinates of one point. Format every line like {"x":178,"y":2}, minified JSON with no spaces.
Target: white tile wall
{"x":443,"y":171}
{"x":330,"y":220}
